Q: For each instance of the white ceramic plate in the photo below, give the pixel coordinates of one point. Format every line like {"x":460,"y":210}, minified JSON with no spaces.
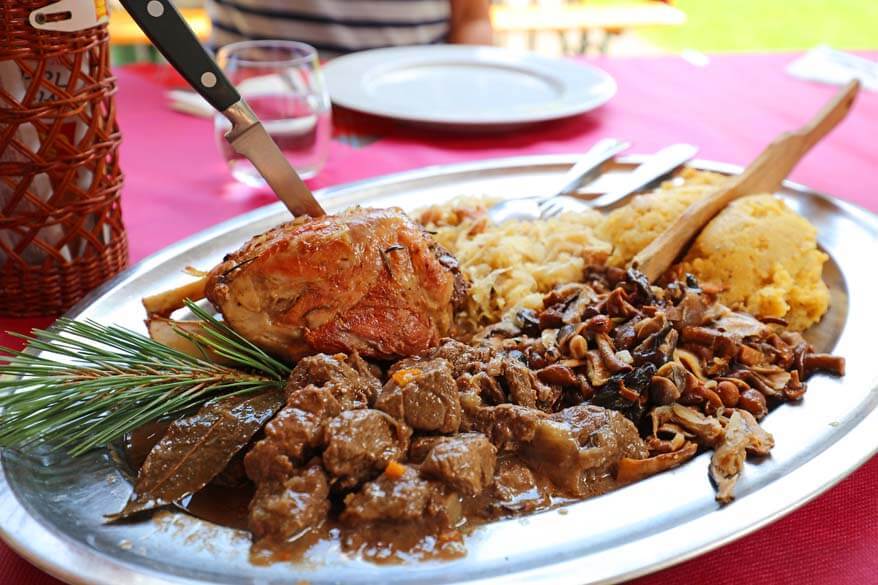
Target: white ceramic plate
{"x":465,"y":86}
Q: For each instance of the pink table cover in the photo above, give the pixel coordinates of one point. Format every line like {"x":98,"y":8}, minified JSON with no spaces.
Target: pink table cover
{"x":177,"y":184}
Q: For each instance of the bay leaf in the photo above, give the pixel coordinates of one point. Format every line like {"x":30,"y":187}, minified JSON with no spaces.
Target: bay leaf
{"x":195,"y":449}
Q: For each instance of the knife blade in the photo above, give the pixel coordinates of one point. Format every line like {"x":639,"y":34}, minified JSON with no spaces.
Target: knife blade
{"x":658,"y":165}
{"x":170,"y":34}
{"x":590,"y":164}
{"x":249,"y":138}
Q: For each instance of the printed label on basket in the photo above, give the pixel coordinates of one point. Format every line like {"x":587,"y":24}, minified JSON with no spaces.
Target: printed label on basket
{"x":56,"y":76}
{"x":70,"y":15}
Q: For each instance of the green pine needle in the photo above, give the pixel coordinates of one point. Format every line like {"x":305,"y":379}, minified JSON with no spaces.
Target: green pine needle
{"x":103,"y":381}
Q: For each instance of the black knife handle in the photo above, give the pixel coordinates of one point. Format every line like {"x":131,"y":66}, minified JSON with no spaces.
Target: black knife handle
{"x":174,"y":39}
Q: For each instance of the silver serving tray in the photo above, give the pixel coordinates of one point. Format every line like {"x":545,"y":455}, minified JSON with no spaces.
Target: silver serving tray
{"x":51,"y":507}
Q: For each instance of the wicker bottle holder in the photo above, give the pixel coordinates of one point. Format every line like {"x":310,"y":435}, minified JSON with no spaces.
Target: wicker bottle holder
{"x":61,"y":231}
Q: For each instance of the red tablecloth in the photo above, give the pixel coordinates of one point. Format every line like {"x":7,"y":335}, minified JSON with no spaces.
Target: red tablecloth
{"x":176,"y":184}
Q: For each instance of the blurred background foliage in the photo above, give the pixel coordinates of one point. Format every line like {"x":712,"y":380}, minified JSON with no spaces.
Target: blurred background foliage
{"x":708,"y":26}
{"x":769,"y":25}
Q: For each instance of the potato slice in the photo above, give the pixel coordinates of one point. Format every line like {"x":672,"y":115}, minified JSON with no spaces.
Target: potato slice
{"x":164,"y":303}
{"x":165,"y":331}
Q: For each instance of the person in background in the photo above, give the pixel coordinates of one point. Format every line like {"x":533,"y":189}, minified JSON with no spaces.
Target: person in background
{"x":336,"y":27}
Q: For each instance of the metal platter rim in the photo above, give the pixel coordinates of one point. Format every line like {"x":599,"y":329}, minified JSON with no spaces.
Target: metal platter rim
{"x":75,"y":562}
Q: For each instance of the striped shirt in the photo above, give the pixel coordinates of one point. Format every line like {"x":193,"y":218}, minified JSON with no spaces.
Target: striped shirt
{"x":332,"y":26}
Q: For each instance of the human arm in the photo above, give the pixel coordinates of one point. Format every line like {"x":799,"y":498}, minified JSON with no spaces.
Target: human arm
{"x":471,"y":22}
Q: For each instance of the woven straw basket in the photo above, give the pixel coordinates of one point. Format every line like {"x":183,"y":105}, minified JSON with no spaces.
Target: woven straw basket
{"x":61,"y":231}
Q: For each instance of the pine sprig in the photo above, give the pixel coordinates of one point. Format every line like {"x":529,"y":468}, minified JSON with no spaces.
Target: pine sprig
{"x":81,"y":385}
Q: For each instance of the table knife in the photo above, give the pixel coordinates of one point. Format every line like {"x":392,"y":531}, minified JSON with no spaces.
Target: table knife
{"x":655,"y":167}
{"x":170,"y":34}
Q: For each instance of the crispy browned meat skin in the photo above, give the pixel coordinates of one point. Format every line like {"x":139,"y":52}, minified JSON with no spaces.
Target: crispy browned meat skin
{"x":367,"y":280}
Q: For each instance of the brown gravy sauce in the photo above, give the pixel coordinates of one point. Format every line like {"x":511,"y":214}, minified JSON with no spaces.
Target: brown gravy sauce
{"x":138,"y":443}
{"x":223,"y":505}
{"x":393,"y":544}
{"x":382,"y":544}
{"x":229,"y":506}
{"x":388,"y":544}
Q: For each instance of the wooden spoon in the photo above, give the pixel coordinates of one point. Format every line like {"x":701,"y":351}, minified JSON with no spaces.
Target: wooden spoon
{"x":763,"y":175}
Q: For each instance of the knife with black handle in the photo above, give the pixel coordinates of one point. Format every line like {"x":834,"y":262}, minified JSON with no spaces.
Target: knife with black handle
{"x":170,"y":34}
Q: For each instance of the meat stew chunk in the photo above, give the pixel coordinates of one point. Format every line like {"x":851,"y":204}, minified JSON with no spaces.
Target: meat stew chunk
{"x":516,"y":488}
{"x":408,"y":498}
{"x":360,"y":444}
{"x":506,"y":425}
{"x":521,"y":383}
{"x":283,"y":509}
{"x":296,"y":431}
{"x":425,"y":397}
{"x":420,"y":447}
{"x":463,"y":358}
{"x":465,"y":462}
{"x":290,"y":438}
{"x":347,"y":378}
{"x":579,"y":448}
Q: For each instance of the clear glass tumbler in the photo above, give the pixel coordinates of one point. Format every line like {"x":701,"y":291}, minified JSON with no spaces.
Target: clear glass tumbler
{"x":283,"y":83}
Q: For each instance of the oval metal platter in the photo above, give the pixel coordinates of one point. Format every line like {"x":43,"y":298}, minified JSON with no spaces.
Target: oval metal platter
{"x":52,"y":508}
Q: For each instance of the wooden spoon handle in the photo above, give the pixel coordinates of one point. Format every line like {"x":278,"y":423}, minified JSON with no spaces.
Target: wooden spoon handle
{"x":764,"y":175}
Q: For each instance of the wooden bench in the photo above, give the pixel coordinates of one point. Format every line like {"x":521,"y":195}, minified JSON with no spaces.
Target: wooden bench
{"x":613,"y":19}
{"x":124,"y":31}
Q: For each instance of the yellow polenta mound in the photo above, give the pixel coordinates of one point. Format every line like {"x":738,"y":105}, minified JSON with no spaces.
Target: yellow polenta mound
{"x":763,"y":253}
{"x":765,"y":257}
{"x":632,"y":227}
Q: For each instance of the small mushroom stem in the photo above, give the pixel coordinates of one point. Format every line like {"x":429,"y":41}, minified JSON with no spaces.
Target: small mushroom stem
{"x":631,"y":470}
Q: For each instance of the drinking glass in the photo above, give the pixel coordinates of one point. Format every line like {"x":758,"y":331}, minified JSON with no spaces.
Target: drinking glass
{"x":283,"y":83}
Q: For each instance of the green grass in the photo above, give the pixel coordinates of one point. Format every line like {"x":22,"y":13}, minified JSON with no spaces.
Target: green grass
{"x":766,"y":25}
